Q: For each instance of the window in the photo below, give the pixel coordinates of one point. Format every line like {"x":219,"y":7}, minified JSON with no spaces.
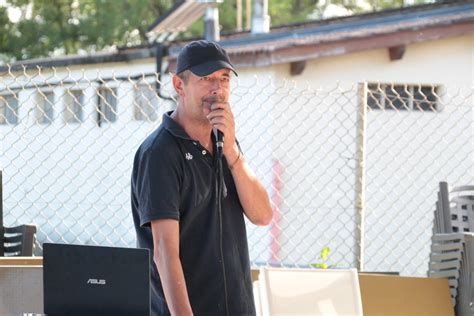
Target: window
{"x":146,"y":103}
{"x":74,"y":106}
{"x":403,"y":97}
{"x":106,"y":105}
{"x":44,"y":107}
{"x":8,"y":109}
{"x":426,"y":98}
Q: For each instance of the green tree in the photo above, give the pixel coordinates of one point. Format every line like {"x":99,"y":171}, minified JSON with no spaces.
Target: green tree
{"x":67,"y":26}
{"x":5,"y":31}
{"x":58,"y":27}
{"x":285,"y":12}
{"x":378,"y":5}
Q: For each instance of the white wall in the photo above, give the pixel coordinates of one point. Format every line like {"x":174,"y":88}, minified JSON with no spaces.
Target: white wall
{"x":408,"y":153}
{"x":447,"y":61}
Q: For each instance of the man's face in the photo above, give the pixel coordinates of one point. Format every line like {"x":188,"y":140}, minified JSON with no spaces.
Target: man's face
{"x":201,"y":92}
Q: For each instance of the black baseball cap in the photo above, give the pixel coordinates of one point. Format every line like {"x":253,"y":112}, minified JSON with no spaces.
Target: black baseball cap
{"x":202,"y":58}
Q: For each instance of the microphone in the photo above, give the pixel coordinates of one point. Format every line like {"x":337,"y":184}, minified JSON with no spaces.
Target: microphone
{"x":219,"y":141}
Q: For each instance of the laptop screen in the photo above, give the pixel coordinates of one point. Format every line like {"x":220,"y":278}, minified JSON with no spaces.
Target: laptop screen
{"x":95,"y":280}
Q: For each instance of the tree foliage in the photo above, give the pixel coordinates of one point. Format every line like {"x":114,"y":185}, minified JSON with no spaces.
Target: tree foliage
{"x":58,"y":27}
{"x":70,"y":26}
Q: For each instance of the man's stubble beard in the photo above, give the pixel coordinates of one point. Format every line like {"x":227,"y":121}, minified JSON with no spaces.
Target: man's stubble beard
{"x":199,"y":115}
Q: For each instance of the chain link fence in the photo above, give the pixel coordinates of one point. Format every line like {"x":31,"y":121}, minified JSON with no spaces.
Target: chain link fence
{"x":351,"y":167}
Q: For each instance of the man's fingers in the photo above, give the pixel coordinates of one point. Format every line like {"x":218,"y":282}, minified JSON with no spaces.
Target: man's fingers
{"x":220,"y":127}
{"x":216,"y":113}
{"x":218,"y":120}
{"x":221,"y":118}
{"x":219,"y":105}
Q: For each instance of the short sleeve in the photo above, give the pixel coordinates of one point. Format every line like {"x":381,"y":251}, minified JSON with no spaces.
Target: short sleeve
{"x":157,"y":186}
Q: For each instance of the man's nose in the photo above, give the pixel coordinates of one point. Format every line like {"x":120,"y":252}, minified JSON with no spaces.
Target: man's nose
{"x":215,"y":87}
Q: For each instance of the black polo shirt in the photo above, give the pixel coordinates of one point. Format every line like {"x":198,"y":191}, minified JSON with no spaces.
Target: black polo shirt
{"x":174,"y":177}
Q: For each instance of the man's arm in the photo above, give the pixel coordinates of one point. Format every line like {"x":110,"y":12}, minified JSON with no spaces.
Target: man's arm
{"x":252,"y":194}
{"x":166,"y":257}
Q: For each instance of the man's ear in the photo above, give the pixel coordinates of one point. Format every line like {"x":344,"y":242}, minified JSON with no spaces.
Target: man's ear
{"x":178,"y":85}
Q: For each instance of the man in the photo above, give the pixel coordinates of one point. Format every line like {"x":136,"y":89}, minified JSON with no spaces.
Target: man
{"x":200,"y":252}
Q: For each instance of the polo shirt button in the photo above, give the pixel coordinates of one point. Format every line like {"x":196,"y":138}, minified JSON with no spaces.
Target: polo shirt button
{"x":203,"y":152}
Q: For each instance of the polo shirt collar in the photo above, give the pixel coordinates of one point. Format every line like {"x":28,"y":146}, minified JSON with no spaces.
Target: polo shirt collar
{"x":173,"y":127}
{"x":176,"y":130}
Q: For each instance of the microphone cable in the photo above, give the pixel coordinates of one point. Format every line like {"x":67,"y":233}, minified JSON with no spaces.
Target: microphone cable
{"x":220,"y":189}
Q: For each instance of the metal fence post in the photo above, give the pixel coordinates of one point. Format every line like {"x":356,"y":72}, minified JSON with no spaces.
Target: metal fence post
{"x":360,"y":175}
{"x":1,"y":214}
{"x":1,"y":198}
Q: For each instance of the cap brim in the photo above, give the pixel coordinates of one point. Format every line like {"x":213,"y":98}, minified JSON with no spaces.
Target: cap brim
{"x":209,"y":67}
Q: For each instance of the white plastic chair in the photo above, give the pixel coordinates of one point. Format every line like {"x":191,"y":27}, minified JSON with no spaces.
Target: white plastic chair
{"x":256,"y":297}
{"x":328,"y":292}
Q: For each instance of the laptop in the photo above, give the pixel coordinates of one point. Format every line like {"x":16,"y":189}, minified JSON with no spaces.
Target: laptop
{"x":95,"y":280}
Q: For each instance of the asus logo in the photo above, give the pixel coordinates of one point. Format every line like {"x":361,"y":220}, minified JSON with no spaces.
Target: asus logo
{"x":96,"y":281}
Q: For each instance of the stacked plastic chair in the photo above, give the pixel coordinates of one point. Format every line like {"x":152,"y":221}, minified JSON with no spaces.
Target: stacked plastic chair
{"x":452,"y":250}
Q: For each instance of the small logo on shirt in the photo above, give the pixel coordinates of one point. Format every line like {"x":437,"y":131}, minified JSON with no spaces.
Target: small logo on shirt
{"x":189,"y":156}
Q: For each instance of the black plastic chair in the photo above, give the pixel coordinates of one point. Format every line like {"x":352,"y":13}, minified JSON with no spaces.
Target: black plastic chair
{"x":17,"y":241}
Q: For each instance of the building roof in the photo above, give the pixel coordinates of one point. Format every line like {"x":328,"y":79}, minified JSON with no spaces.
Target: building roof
{"x":339,"y":36}
{"x":299,"y":42}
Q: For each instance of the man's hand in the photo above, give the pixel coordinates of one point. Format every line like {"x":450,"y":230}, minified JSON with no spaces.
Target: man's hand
{"x":222,"y":118}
